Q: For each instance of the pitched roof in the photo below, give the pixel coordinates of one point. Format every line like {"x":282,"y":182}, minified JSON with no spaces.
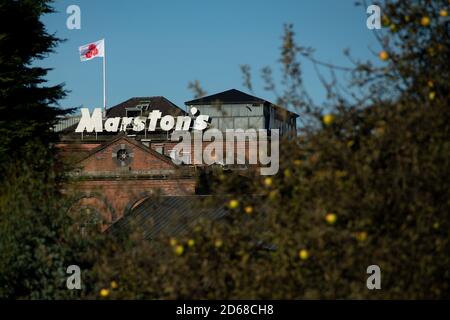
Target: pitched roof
{"x":130,"y":141}
{"x":169,"y":215}
{"x":234,"y":96}
{"x":231,"y":96}
{"x":154,"y":103}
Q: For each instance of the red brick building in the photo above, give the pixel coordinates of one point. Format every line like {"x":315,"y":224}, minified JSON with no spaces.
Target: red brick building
{"x":114,"y":173}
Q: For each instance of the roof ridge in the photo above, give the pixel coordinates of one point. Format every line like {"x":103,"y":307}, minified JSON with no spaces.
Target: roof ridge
{"x":160,"y":102}
{"x":239,"y":95}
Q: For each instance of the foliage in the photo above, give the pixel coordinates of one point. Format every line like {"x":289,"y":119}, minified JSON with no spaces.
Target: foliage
{"x":365,"y":183}
{"x":26,"y":114}
{"x":37,"y":240}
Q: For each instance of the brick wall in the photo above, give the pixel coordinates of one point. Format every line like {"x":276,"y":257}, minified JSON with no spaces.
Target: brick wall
{"x":113,"y":189}
{"x":113,"y":198}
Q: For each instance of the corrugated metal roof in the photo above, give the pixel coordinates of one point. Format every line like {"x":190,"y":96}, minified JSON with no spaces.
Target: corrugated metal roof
{"x":170,"y":215}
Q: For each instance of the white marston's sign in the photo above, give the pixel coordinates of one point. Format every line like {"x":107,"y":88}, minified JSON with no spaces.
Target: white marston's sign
{"x":221,"y":146}
{"x":94,"y":122}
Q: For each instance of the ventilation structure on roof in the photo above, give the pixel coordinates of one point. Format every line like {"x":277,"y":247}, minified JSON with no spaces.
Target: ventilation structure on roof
{"x":137,"y":110}
{"x":144,"y":105}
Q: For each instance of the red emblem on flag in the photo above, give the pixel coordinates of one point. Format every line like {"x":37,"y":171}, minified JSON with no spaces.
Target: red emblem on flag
{"x":92,"y":51}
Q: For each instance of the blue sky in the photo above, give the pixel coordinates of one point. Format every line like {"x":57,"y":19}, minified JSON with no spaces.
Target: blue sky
{"x":156,"y":47}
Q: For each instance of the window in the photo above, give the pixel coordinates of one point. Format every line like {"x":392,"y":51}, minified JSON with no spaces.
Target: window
{"x":133,"y":112}
{"x":245,"y":111}
{"x":256,"y":122}
{"x":236,"y":110}
{"x":226,"y":123}
{"x":241,"y":123}
{"x":215,"y":123}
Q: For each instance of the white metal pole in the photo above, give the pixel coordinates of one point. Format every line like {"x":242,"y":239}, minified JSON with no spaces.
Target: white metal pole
{"x":104,"y":79}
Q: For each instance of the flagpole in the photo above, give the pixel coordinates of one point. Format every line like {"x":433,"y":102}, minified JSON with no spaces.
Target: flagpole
{"x":104,"y":79}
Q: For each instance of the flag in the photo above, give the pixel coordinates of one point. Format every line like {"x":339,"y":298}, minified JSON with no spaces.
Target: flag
{"x":92,"y":50}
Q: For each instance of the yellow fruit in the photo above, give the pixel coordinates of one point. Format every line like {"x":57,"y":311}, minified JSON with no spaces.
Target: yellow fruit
{"x":432,"y":95}
{"x":303,"y":254}
{"x":114,"y":284}
{"x":328,"y":119}
{"x":244,"y":258}
{"x":191,"y":243}
{"x":393,"y":27}
{"x":248,"y":210}
{"x":218,"y":243}
{"x":233,"y":204}
{"x":430,"y":83}
{"x":297,"y":163}
{"x":331,"y":218}
{"x":287,"y":173}
{"x":179,"y":250}
{"x":443,"y":13}
{"x":173,"y":242}
{"x":383,"y":55}
{"x":104,"y":293}
{"x":361,"y":236}
{"x":425,"y":21}
{"x":268,"y":181}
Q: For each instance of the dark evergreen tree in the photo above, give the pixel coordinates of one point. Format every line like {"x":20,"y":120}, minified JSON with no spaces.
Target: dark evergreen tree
{"x":27,"y":105}
{"x":37,"y":243}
